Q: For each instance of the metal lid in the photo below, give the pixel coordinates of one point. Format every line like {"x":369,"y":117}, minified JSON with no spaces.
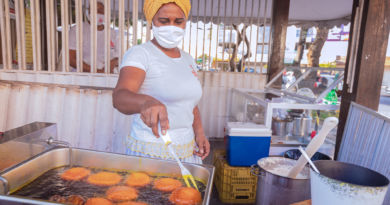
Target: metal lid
{"x":22,"y":143}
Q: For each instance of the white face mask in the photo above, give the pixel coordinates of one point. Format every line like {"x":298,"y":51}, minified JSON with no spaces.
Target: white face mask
{"x":168,"y":36}
{"x":99,"y":19}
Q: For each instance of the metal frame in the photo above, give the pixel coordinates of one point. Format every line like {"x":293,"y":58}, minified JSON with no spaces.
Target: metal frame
{"x":5,"y":185}
{"x":308,"y":70}
{"x":59,"y":61}
{"x":365,"y":140}
{"x":270,"y":106}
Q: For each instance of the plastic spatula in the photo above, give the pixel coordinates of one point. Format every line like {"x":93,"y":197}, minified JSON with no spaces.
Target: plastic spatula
{"x":314,"y":145}
{"x":187,"y":176}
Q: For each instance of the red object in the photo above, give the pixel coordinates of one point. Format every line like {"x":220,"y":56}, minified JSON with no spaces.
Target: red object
{"x":313,"y":134}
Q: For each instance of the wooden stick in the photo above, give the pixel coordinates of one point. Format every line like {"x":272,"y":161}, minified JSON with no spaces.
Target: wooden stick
{"x":64,"y":34}
{"x":53,"y":33}
{"x":121,"y":8}
{"x":107,"y":35}
{"x":79,"y":35}
{"x":3,"y":36}
{"x":48,"y":35}
{"x":38,"y":34}
{"x":20,"y":43}
{"x":148,"y":31}
{"x":33,"y":34}
{"x":135,"y":21}
{"x":93,"y":11}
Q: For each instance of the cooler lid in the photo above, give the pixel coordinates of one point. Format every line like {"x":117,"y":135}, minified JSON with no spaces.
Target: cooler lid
{"x":247,"y":129}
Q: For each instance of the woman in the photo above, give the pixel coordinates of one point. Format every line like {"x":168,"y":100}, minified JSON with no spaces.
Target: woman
{"x":158,"y":85}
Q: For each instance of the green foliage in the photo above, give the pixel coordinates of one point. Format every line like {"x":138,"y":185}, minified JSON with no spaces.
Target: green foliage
{"x":324,"y":114}
{"x":328,"y":65}
{"x":204,"y":57}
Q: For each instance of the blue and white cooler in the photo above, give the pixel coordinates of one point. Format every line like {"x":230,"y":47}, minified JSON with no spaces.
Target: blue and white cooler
{"x":246,"y":143}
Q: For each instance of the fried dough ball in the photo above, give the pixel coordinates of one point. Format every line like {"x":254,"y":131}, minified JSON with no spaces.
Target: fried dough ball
{"x":75,"y":200}
{"x":75,"y":174}
{"x":186,"y":196}
{"x":167,"y":184}
{"x":98,"y":201}
{"x":104,"y":179}
{"x":57,"y":198}
{"x":138,"y":179}
{"x":132,"y":203}
{"x":121,"y":193}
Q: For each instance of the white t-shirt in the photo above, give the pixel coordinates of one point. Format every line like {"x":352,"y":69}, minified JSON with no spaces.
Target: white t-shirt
{"x":100,"y":57}
{"x":172,"y":81}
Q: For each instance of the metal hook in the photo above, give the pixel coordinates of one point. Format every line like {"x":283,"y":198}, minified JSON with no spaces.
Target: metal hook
{"x":5,"y":185}
{"x":51,"y":141}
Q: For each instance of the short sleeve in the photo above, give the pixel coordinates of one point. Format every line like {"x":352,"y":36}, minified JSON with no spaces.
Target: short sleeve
{"x":136,"y":56}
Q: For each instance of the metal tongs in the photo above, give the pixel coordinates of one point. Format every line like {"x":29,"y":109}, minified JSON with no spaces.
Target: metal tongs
{"x":187,"y":176}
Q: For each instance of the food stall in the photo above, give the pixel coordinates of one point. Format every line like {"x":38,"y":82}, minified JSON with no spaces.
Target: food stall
{"x":291,"y":111}
{"x":32,"y":159}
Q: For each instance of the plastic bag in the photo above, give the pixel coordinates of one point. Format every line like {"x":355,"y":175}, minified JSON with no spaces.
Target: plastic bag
{"x":295,"y":154}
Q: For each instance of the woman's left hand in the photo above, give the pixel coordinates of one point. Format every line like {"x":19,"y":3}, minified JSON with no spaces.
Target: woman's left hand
{"x":203,"y":145}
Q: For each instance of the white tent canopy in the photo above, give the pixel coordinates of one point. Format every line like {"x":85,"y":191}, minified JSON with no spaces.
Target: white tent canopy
{"x":309,"y":12}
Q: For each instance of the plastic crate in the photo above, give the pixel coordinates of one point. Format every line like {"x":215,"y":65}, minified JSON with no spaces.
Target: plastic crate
{"x":234,"y":184}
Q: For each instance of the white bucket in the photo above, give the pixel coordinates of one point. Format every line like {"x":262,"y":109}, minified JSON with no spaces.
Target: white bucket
{"x":341,"y":183}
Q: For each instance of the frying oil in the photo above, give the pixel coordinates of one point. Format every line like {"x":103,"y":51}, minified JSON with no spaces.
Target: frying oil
{"x":50,"y":184}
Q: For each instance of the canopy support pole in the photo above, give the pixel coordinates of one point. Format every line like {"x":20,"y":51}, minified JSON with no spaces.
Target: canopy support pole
{"x":365,"y":58}
{"x":280,"y":10}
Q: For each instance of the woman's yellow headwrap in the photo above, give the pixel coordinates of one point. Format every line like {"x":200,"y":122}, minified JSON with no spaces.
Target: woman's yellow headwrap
{"x":152,"y":6}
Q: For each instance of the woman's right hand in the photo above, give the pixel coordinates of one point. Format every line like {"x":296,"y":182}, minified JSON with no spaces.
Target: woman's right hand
{"x":154,"y":112}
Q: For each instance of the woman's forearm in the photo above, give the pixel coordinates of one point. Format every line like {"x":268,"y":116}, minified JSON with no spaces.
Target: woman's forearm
{"x":197,"y":124}
{"x":202,"y":142}
{"x":128,"y":102}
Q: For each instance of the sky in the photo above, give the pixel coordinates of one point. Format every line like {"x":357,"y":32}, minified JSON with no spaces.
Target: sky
{"x":195,"y":33}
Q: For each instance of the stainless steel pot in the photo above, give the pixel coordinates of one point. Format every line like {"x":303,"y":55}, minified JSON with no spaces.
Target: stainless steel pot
{"x":273,"y":188}
{"x":279,"y":127}
{"x":282,"y":127}
{"x":302,"y":127}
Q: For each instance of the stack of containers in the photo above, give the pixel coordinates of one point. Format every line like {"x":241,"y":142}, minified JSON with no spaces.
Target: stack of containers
{"x":245,"y":144}
{"x":234,"y":184}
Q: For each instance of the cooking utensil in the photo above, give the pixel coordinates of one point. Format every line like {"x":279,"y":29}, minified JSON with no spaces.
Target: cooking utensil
{"x":314,"y":144}
{"x":308,"y":159}
{"x":187,"y":176}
